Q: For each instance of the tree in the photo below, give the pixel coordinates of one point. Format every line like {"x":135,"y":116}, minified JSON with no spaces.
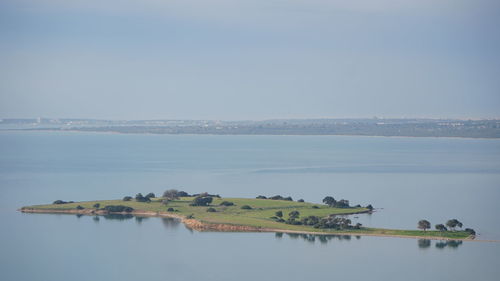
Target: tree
{"x":342,"y":203}
{"x":293,"y":215}
{"x":330,"y":201}
{"x":79,"y":207}
{"x":424,"y":224}
{"x":440,"y":227}
{"x":246,"y":207}
{"x":171,"y":194}
{"x":300,"y":200}
{"x":97,"y":205}
{"x":150,"y":195}
{"x":127,"y":198}
{"x":261,"y":197}
{"x":201,"y":201}
{"x":279,"y":214}
{"x":211,"y":210}
{"x":140,"y":198}
{"x":453,"y":223}
{"x":369,"y":207}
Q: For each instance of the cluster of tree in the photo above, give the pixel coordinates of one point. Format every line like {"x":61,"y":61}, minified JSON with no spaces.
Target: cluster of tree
{"x":331,"y":221}
{"x":57,"y":202}
{"x":173,"y":194}
{"x":118,"y":209}
{"x":276,"y":197}
{"x":201,"y":201}
{"x":451,"y":224}
{"x":330,"y":201}
{"x":140,"y":198}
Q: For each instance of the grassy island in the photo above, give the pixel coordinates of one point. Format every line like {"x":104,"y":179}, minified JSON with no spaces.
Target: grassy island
{"x":275,"y":214}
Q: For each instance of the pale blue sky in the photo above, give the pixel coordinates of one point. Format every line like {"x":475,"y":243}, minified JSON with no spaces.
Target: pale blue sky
{"x":249,"y":59}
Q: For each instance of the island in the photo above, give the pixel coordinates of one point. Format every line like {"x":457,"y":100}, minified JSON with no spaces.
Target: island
{"x":208,"y":212}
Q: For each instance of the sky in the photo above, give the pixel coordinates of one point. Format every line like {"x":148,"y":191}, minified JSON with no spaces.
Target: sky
{"x":249,"y":59}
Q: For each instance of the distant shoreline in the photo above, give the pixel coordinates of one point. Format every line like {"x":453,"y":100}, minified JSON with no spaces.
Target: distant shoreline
{"x":211,"y":134}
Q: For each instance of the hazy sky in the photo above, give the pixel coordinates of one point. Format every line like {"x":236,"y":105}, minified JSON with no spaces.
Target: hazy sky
{"x":249,"y":59}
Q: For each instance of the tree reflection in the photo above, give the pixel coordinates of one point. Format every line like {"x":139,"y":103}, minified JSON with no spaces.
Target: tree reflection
{"x":312,"y":238}
{"x":453,"y":244}
{"x":424,"y":243}
{"x":170,"y":222}
{"x":119,"y":217}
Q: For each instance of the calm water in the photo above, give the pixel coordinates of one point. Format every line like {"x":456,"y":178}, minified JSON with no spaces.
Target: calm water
{"x":407,"y":178}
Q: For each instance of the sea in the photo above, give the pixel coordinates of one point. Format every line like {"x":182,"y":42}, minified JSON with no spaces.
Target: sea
{"x":405,"y":179}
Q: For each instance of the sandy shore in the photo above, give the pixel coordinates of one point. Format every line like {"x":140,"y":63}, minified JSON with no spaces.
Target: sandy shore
{"x":204,"y":226}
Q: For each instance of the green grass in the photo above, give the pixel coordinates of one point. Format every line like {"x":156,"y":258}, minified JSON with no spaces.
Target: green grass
{"x":258,"y":216}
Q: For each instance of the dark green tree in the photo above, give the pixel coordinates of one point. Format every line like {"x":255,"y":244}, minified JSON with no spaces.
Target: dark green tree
{"x":279,"y":214}
{"x":330,"y":201}
{"x":424,"y":224}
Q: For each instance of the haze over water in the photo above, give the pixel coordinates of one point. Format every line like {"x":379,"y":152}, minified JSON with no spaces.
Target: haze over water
{"x":406,"y":179}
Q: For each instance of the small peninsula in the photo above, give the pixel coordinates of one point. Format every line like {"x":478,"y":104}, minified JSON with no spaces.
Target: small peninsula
{"x":207,"y":212}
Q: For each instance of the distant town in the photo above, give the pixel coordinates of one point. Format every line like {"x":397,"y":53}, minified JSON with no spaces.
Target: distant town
{"x":489,"y":128}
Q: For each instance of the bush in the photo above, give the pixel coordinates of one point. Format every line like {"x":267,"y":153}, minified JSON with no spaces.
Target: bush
{"x":190,"y":217}
{"x":97,"y":205}
{"x":57,"y":202}
{"x":300,"y":200}
{"x":170,"y":210}
{"x":211,"y":210}
{"x":315,"y":207}
{"x":226,"y":203}
{"x":118,"y":208}
{"x":369,"y":207}
{"x":261,"y":197}
{"x":127,"y":198}
{"x":276,"y":197}
{"x":202,"y":201}
{"x":246,"y":207}
{"x":150,"y":195}
{"x":79,"y":207}
{"x":288,"y":198}
{"x":173,"y":194}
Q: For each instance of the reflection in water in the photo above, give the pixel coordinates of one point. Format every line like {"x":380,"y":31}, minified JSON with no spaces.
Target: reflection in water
{"x":170,"y":223}
{"x":450,"y":244}
{"x":312,"y":238}
{"x":119,"y":217}
{"x":139,"y":220}
{"x":424,"y":243}
{"x":96,"y":218}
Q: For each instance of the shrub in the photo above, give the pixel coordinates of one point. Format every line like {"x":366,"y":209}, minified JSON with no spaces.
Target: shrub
{"x":369,"y":207}
{"x":150,"y":195}
{"x":118,"y":208}
{"x":294,"y":214}
{"x":315,"y":207}
{"x":226,"y":203}
{"x":300,"y":200}
{"x":127,"y":198}
{"x":190,"y":216}
{"x":97,"y":205}
{"x":276,"y":197}
{"x":246,"y":207}
{"x":261,"y":197}
{"x":57,"y":202}
{"x":211,"y":210}
{"x":170,"y":210}
{"x":288,"y":198}
{"x":279,"y":214}
{"x":79,"y":207}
